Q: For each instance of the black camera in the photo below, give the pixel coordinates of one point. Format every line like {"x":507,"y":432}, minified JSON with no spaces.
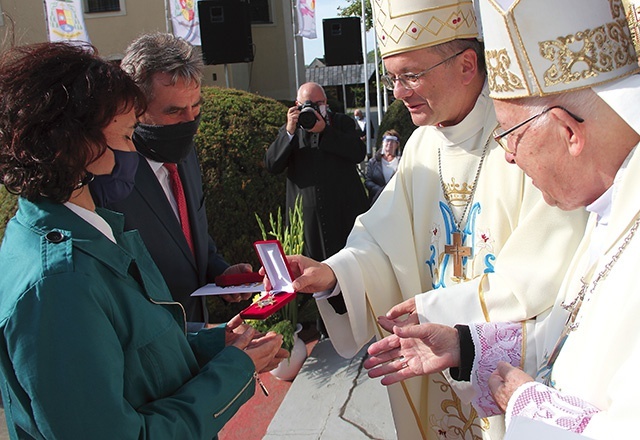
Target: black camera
{"x":307,"y":118}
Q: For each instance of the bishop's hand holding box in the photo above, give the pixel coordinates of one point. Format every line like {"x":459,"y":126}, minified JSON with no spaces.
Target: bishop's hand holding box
{"x":275,"y":265}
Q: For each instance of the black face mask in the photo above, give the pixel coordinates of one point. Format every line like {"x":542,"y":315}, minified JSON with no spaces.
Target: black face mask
{"x":166,"y":143}
{"x":109,"y":188}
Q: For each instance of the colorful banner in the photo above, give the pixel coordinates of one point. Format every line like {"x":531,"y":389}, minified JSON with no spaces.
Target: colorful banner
{"x":65,"y":21}
{"x":184,"y":20}
{"x":307,"y":18}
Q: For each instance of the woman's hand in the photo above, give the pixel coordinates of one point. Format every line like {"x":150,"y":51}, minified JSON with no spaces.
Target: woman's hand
{"x":265,"y":351}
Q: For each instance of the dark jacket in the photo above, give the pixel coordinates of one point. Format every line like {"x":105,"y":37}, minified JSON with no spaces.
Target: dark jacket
{"x":326,"y":176}
{"x":148,"y":210}
{"x":93,"y":346}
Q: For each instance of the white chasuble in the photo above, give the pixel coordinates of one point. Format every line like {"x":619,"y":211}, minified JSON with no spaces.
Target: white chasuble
{"x":599,"y":360}
{"x":518,"y":251}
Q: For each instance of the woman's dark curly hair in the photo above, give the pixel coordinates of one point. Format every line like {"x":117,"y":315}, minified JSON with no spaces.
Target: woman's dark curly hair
{"x":55,"y":100}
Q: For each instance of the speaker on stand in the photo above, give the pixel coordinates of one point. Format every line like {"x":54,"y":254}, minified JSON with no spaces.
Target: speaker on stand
{"x":342,"y":41}
{"x":225,"y":31}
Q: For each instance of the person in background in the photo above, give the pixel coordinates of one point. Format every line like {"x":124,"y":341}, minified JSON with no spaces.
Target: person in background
{"x":92,"y":345}
{"x":361,"y":120}
{"x":167,"y":204}
{"x":320,"y":160}
{"x":383,"y":165}
{"x":584,"y":354}
{"x":320,"y":151}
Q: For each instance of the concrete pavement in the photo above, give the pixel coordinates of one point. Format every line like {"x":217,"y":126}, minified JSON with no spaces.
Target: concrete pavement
{"x":332,"y":398}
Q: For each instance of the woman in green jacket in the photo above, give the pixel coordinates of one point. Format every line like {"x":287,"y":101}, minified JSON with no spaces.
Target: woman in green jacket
{"x":92,"y":345}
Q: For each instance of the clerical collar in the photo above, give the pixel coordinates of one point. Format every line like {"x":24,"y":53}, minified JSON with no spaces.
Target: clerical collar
{"x":602,"y":205}
{"x":472,"y":125}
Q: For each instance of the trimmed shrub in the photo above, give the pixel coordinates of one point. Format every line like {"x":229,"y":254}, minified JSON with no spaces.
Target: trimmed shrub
{"x":8,"y":207}
{"x":237,"y":128}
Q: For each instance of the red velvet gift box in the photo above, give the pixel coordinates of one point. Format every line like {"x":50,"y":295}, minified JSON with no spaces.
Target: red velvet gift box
{"x":277,"y":269}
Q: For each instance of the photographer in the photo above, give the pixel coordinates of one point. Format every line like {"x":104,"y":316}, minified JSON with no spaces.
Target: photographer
{"x":320,"y":151}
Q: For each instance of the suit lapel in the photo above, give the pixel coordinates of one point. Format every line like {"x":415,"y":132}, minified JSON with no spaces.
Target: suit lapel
{"x":151,"y":192}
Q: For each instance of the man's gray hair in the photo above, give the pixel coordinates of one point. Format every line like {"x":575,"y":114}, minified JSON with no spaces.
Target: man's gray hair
{"x":162,"y":53}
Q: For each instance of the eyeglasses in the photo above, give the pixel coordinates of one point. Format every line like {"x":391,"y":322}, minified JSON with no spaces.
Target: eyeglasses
{"x":411,"y":80}
{"x":501,"y":137}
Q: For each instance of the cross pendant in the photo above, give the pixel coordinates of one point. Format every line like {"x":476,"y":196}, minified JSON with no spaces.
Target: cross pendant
{"x":458,"y":251}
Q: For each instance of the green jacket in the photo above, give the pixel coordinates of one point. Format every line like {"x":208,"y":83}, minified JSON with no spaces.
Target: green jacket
{"x":92,"y":344}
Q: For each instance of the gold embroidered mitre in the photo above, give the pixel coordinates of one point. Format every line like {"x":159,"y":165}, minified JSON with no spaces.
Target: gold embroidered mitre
{"x":632,"y":11}
{"x":542,"y":47}
{"x":405,"y":25}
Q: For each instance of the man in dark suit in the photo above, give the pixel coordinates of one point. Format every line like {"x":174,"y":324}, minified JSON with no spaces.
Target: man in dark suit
{"x":321,"y":162}
{"x":172,"y":224}
{"x":320,"y":151}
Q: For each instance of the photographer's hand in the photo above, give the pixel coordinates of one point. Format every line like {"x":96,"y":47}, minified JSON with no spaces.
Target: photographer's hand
{"x":292,"y":120}
{"x":320,"y":124}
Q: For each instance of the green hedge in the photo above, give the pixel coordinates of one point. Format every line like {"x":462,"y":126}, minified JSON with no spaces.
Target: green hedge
{"x":8,"y":207}
{"x":236,"y":130}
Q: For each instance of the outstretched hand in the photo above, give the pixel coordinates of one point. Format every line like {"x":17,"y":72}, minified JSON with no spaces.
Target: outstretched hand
{"x":400,"y":315}
{"x":265,"y":351}
{"x":413,"y":351}
{"x":234,"y":329}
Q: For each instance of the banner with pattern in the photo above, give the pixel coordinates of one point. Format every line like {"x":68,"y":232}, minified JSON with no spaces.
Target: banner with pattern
{"x":65,"y":21}
{"x":185,"y":21}
{"x":307,"y":18}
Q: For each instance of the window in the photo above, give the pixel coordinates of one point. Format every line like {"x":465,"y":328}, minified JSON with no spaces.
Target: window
{"x":260,"y":12}
{"x":92,"y":6}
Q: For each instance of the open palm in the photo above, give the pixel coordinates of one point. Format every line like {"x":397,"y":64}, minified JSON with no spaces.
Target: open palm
{"x":413,"y":351}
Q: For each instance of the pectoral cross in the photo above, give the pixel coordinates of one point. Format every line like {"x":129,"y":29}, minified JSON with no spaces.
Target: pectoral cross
{"x":458,"y":252}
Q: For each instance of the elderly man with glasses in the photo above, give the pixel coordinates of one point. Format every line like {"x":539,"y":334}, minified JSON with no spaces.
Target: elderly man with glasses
{"x":471,"y":236}
{"x":580,"y":360}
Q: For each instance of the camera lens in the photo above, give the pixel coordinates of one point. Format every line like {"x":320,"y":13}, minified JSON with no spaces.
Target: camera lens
{"x":307,"y":118}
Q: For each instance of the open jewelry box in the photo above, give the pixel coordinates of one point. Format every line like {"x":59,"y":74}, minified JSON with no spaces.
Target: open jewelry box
{"x":275,"y":265}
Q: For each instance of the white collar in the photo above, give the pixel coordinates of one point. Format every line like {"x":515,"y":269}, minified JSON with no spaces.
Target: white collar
{"x":93,"y":219}
{"x":602,"y":205}
{"x":472,"y":125}
{"x":155,"y":166}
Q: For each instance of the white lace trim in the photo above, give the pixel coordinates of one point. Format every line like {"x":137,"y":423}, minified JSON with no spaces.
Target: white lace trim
{"x":539,"y":402}
{"x":493,"y":343}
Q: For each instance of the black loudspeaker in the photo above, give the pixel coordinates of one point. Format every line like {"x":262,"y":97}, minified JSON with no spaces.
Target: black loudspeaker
{"x":225,"y":31}
{"x":342,"y":41}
